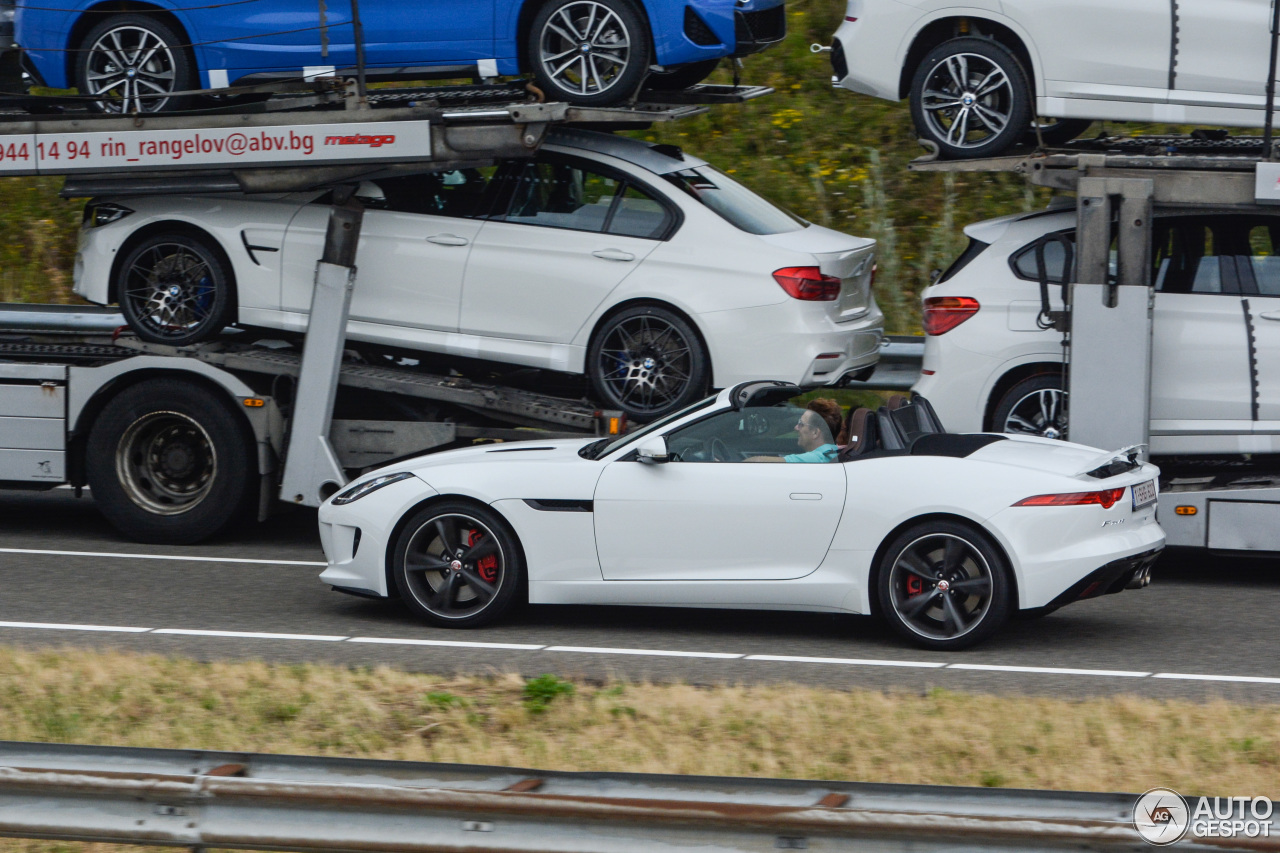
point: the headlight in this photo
(359, 490)
(104, 214)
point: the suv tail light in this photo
(1106, 499)
(944, 313)
(808, 284)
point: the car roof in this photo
(654, 157)
(1023, 225)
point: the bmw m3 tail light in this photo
(944, 313)
(808, 284)
(1106, 499)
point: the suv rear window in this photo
(734, 203)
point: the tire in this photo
(649, 362)
(917, 605)
(1056, 131)
(573, 53)
(1035, 406)
(170, 462)
(681, 77)
(106, 56)
(174, 288)
(978, 103)
(482, 581)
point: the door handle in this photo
(447, 240)
(1270, 315)
(805, 496)
(614, 255)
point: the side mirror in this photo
(652, 451)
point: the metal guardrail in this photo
(271, 802)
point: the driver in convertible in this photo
(821, 419)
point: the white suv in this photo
(977, 72)
(1215, 379)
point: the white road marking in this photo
(1049, 670)
(52, 626)
(462, 644)
(596, 650)
(917, 664)
(601, 650)
(111, 555)
(251, 635)
(1249, 679)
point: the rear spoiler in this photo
(1113, 463)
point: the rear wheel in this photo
(458, 565)
(174, 289)
(133, 63)
(648, 362)
(591, 52)
(942, 585)
(1035, 406)
(170, 462)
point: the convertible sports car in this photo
(943, 535)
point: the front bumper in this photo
(356, 538)
(755, 31)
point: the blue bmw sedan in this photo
(137, 56)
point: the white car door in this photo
(1223, 53)
(413, 252)
(1200, 376)
(571, 234)
(698, 519)
(1099, 48)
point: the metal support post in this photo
(311, 469)
(1109, 357)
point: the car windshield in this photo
(734, 203)
(603, 447)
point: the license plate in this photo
(1144, 494)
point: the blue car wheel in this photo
(133, 63)
(590, 52)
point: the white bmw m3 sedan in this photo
(943, 535)
(640, 266)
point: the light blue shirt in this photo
(825, 453)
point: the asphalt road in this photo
(1206, 627)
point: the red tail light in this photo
(944, 313)
(808, 284)
(1106, 499)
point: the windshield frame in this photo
(650, 428)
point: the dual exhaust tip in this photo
(1141, 578)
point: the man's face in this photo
(811, 432)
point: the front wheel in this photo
(589, 52)
(1035, 406)
(174, 289)
(134, 63)
(458, 565)
(648, 362)
(170, 462)
(971, 98)
(943, 585)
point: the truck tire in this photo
(171, 462)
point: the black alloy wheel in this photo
(648, 362)
(458, 565)
(133, 63)
(971, 98)
(590, 52)
(1035, 406)
(943, 586)
(174, 289)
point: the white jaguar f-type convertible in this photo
(943, 535)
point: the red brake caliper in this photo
(487, 567)
(915, 585)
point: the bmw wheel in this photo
(648, 362)
(134, 63)
(590, 52)
(458, 565)
(971, 98)
(174, 289)
(1035, 406)
(942, 585)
